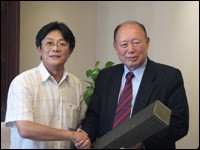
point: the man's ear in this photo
(39, 52)
(70, 52)
(115, 46)
(148, 41)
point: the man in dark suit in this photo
(152, 81)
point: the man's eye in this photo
(62, 44)
(136, 43)
(124, 45)
(49, 43)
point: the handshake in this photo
(80, 139)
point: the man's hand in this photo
(82, 140)
(139, 145)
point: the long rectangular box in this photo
(144, 124)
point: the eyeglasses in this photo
(62, 45)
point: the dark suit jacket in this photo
(159, 82)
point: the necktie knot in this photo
(129, 76)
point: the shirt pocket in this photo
(72, 115)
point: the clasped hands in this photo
(81, 139)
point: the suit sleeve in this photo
(91, 123)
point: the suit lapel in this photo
(113, 92)
(146, 88)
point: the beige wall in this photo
(172, 26)
(81, 19)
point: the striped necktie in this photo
(124, 104)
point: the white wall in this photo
(173, 28)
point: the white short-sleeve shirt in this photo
(35, 96)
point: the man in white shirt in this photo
(46, 102)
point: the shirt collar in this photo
(137, 72)
(46, 75)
